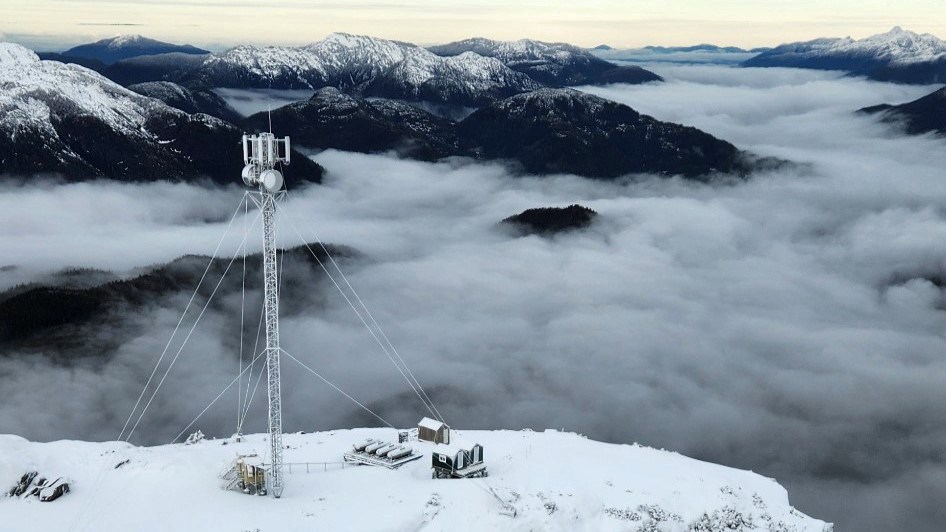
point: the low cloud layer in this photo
(252, 101)
(792, 324)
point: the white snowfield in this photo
(552, 481)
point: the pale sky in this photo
(216, 24)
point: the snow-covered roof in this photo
(454, 447)
(251, 459)
(431, 424)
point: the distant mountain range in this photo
(64, 119)
(703, 48)
(552, 64)
(469, 73)
(924, 115)
(898, 56)
(700, 53)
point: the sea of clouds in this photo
(792, 324)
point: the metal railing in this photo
(309, 467)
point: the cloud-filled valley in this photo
(791, 324)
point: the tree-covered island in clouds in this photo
(547, 221)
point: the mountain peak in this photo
(14, 54)
(350, 40)
(127, 46)
(898, 55)
(125, 40)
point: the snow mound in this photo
(549, 480)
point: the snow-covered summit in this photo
(119, 41)
(897, 55)
(342, 50)
(35, 90)
(896, 46)
(13, 55)
(548, 480)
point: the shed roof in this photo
(431, 424)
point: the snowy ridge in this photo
(366, 66)
(14, 55)
(41, 87)
(359, 54)
(67, 120)
(552, 64)
(553, 481)
(898, 46)
(268, 62)
(518, 51)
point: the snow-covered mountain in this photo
(364, 66)
(898, 55)
(537, 481)
(552, 64)
(121, 47)
(68, 120)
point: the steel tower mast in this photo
(261, 154)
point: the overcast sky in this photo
(56, 24)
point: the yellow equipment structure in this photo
(246, 474)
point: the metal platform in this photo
(361, 457)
